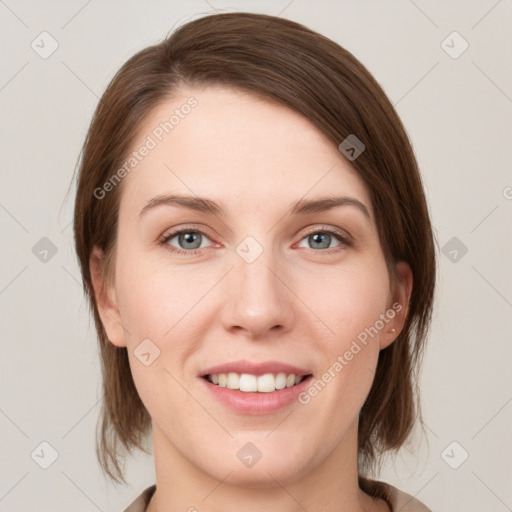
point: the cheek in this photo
(153, 297)
(347, 300)
(351, 304)
(160, 304)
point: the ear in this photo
(399, 305)
(106, 301)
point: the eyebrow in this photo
(301, 207)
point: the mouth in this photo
(251, 383)
(252, 388)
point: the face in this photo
(262, 290)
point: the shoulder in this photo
(396, 499)
(401, 501)
(141, 503)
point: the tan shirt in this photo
(398, 500)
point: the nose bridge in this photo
(258, 299)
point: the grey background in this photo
(458, 112)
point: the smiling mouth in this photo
(248, 383)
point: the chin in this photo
(272, 472)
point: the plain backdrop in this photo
(456, 104)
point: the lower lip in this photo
(256, 402)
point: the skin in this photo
(293, 304)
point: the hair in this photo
(283, 62)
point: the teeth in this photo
(266, 383)
(233, 381)
(248, 383)
(280, 380)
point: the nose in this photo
(258, 298)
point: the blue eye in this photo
(322, 240)
(190, 241)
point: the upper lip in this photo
(255, 368)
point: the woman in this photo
(256, 247)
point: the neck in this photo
(330, 486)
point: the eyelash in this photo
(344, 239)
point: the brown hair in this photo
(284, 62)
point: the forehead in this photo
(233, 146)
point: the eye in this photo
(320, 240)
(189, 241)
